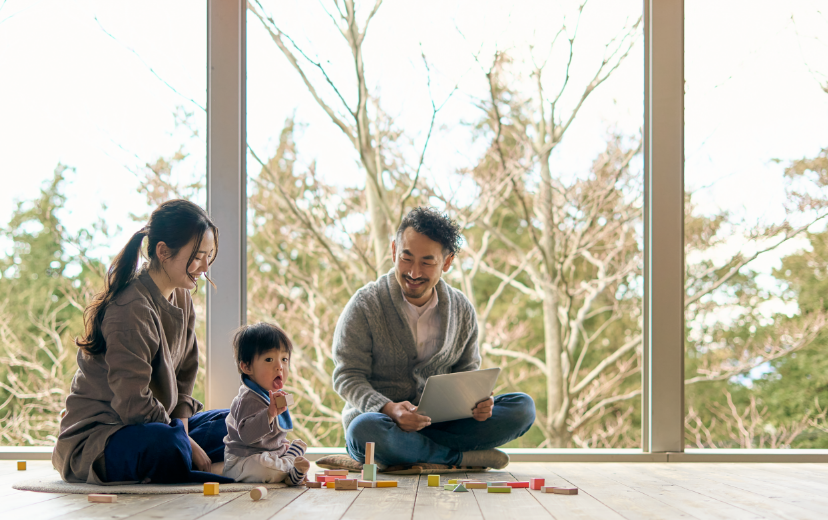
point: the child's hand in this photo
(272, 410)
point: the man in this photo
(398, 331)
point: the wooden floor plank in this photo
(53, 508)
(517, 504)
(24, 498)
(321, 503)
(386, 503)
(127, 506)
(622, 499)
(750, 500)
(643, 480)
(244, 508)
(187, 507)
(581, 505)
(435, 503)
(781, 476)
(9, 479)
(810, 501)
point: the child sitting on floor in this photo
(255, 448)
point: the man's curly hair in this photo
(436, 226)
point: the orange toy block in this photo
(518, 484)
(346, 484)
(386, 483)
(536, 483)
(21, 465)
(211, 488)
(102, 499)
(330, 484)
(336, 472)
(366, 483)
(369, 453)
(283, 400)
(313, 484)
(559, 490)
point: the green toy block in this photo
(449, 487)
(497, 489)
(461, 489)
(369, 472)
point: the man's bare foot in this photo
(302, 464)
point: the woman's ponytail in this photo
(120, 273)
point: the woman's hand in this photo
(200, 459)
(273, 410)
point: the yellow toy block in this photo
(386, 483)
(452, 481)
(211, 489)
(331, 484)
(434, 481)
(21, 465)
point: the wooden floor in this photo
(607, 491)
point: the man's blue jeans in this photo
(440, 443)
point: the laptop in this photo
(450, 397)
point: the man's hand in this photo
(272, 410)
(200, 459)
(483, 410)
(403, 414)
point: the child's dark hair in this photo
(253, 340)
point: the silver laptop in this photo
(453, 396)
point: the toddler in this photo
(255, 448)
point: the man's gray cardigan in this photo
(374, 349)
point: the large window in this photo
(101, 118)
(523, 122)
(756, 244)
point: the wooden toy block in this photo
(461, 489)
(258, 493)
(330, 484)
(559, 490)
(369, 472)
(102, 499)
(21, 465)
(449, 487)
(283, 400)
(518, 484)
(336, 472)
(313, 484)
(453, 481)
(386, 483)
(499, 489)
(536, 483)
(434, 481)
(476, 485)
(499, 483)
(366, 483)
(211, 488)
(346, 484)
(369, 453)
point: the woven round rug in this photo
(52, 485)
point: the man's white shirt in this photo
(425, 326)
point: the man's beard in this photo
(416, 296)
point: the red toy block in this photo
(518, 484)
(536, 483)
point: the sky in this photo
(96, 85)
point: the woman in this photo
(131, 416)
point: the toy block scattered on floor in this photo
(283, 400)
(21, 465)
(258, 493)
(211, 488)
(434, 481)
(460, 489)
(313, 484)
(330, 484)
(497, 483)
(452, 481)
(366, 483)
(499, 489)
(99, 498)
(559, 490)
(369, 453)
(386, 483)
(476, 485)
(369, 472)
(346, 484)
(536, 483)
(336, 472)
(449, 487)
(518, 484)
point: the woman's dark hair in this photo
(434, 225)
(176, 223)
(253, 340)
